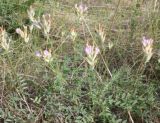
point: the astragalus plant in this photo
(74, 61)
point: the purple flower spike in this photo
(92, 53)
(146, 41)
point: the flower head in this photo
(97, 51)
(46, 55)
(4, 39)
(147, 48)
(92, 53)
(89, 49)
(31, 13)
(101, 33)
(38, 54)
(46, 23)
(146, 42)
(24, 34)
(73, 34)
(81, 9)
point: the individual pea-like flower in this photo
(46, 55)
(46, 24)
(81, 9)
(38, 54)
(24, 34)
(147, 48)
(92, 53)
(4, 39)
